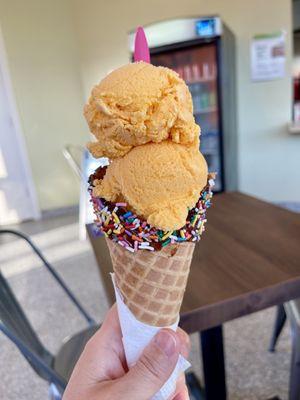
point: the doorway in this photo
(17, 193)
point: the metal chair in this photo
(279, 322)
(83, 164)
(290, 311)
(55, 369)
(73, 154)
(293, 313)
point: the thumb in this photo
(153, 368)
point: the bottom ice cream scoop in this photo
(159, 182)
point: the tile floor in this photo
(252, 372)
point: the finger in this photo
(185, 343)
(105, 344)
(111, 321)
(182, 395)
(180, 387)
(153, 368)
(109, 335)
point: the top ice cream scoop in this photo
(137, 104)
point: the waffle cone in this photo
(152, 283)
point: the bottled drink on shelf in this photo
(212, 99)
(213, 71)
(205, 71)
(179, 71)
(197, 97)
(187, 73)
(196, 73)
(204, 100)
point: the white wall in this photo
(269, 160)
(44, 65)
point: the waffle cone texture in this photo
(152, 283)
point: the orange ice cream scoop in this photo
(137, 104)
(160, 182)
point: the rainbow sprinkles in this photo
(133, 233)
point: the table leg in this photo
(213, 363)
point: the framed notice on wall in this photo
(268, 57)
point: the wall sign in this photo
(268, 57)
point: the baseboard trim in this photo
(59, 212)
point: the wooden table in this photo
(247, 260)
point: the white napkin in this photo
(136, 336)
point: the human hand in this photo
(101, 371)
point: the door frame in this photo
(36, 213)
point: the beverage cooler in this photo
(202, 52)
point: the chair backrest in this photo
(73, 155)
(293, 311)
(13, 318)
(15, 325)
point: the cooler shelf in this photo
(206, 110)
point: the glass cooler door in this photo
(197, 65)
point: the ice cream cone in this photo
(152, 283)
(150, 202)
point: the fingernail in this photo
(166, 342)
